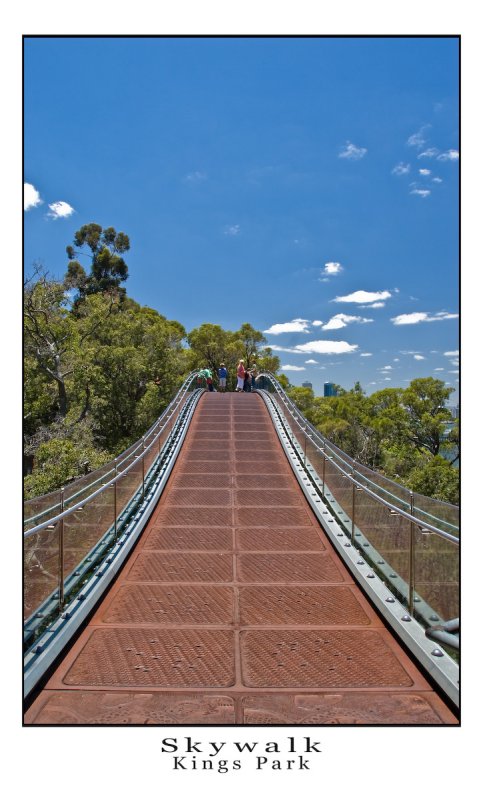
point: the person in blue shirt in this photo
(222, 375)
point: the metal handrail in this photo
(295, 416)
(133, 448)
(72, 509)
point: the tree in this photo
(108, 268)
(424, 400)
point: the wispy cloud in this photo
(296, 326)
(292, 368)
(363, 297)
(437, 180)
(311, 361)
(421, 192)
(451, 353)
(425, 172)
(232, 230)
(418, 139)
(449, 155)
(195, 177)
(341, 320)
(422, 316)
(60, 210)
(401, 169)
(431, 152)
(365, 355)
(352, 152)
(31, 197)
(317, 323)
(418, 357)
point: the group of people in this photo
(245, 377)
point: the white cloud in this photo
(332, 268)
(396, 359)
(291, 368)
(431, 152)
(454, 371)
(384, 369)
(317, 323)
(296, 326)
(451, 353)
(439, 369)
(449, 155)
(311, 361)
(437, 180)
(195, 177)
(341, 320)
(421, 192)
(421, 316)
(365, 355)
(374, 305)
(387, 379)
(31, 197)
(326, 347)
(362, 297)
(425, 172)
(60, 210)
(352, 152)
(417, 139)
(401, 169)
(232, 230)
(417, 357)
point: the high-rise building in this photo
(307, 385)
(330, 390)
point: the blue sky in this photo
(308, 186)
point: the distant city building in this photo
(330, 390)
(455, 411)
(307, 385)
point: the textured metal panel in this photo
(201, 538)
(171, 605)
(268, 497)
(199, 497)
(279, 539)
(182, 567)
(359, 659)
(130, 708)
(300, 605)
(154, 657)
(280, 481)
(174, 515)
(350, 708)
(269, 517)
(208, 481)
(196, 467)
(288, 568)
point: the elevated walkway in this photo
(234, 607)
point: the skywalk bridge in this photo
(234, 567)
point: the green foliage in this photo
(436, 479)
(108, 268)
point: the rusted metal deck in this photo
(234, 608)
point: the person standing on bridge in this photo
(240, 375)
(222, 374)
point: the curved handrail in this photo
(351, 470)
(111, 467)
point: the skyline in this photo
(307, 186)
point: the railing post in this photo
(142, 460)
(115, 498)
(411, 559)
(353, 524)
(305, 446)
(61, 552)
(323, 471)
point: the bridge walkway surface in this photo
(234, 608)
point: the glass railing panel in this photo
(41, 567)
(389, 534)
(437, 574)
(85, 527)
